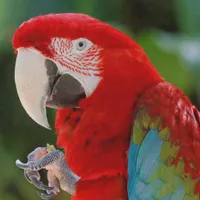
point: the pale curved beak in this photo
(39, 84)
(32, 84)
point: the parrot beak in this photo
(39, 84)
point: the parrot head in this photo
(64, 58)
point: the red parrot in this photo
(126, 132)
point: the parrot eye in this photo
(82, 44)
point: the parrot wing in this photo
(157, 167)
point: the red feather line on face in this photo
(87, 63)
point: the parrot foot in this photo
(43, 162)
(59, 175)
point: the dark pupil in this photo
(81, 44)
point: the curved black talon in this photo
(39, 184)
(26, 176)
(33, 178)
(46, 196)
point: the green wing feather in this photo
(153, 174)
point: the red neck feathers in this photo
(96, 137)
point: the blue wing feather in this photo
(144, 161)
(140, 165)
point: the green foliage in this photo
(176, 56)
(167, 61)
(188, 16)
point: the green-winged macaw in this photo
(126, 132)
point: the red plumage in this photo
(100, 141)
(96, 137)
(39, 31)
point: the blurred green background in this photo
(168, 30)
